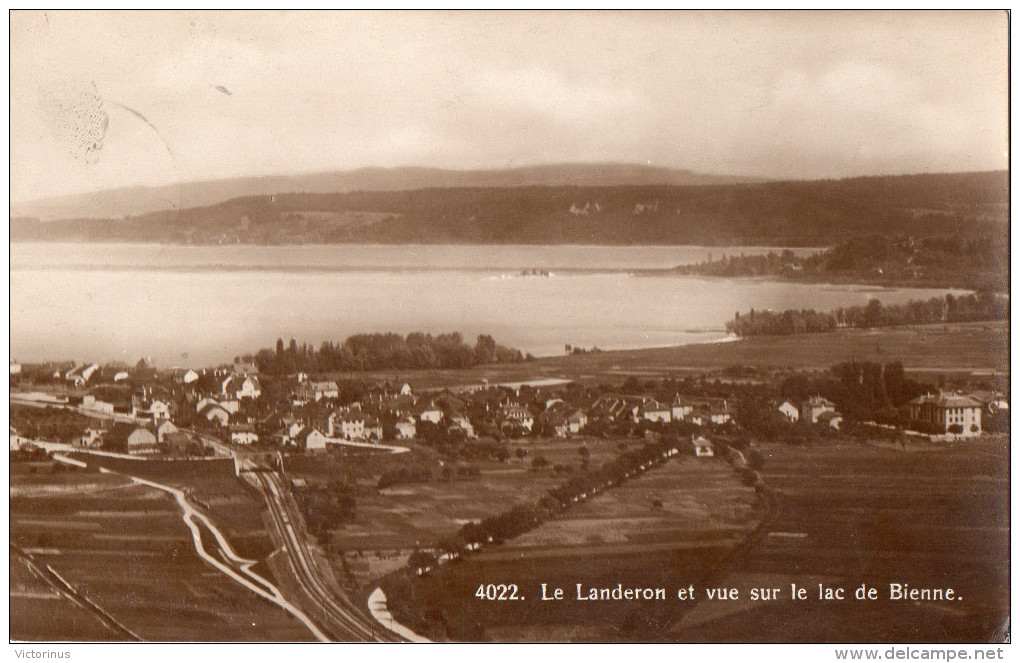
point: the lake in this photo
(181, 305)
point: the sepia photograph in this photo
(644, 327)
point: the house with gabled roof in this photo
(519, 415)
(131, 439)
(429, 412)
(813, 407)
(681, 408)
(613, 408)
(373, 429)
(790, 411)
(350, 424)
(213, 412)
(250, 388)
(92, 438)
(459, 422)
(309, 439)
(993, 401)
(243, 434)
(652, 410)
(316, 391)
(576, 421)
(831, 419)
(163, 429)
(406, 429)
(703, 447)
(178, 442)
(79, 375)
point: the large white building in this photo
(951, 413)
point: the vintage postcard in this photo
(510, 327)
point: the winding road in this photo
(229, 562)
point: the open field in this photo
(233, 505)
(664, 529)
(857, 514)
(127, 550)
(952, 348)
(843, 515)
(39, 612)
(684, 503)
(390, 523)
(979, 347)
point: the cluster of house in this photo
(136, 438)
(945, 413)
(315, 421)
(484, 409)
(145, 407)
(698, 412)
(144, 425)
(229, 399)
(814, 410)
(361, 421)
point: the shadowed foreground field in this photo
(665, 528)
(843, 515)
(124, 548)
(857, 514)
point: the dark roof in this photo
(177, 438)
(117, 437)
(947, 400)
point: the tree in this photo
(755, 458)
(421, 562)
(453, 546)
(585, 455)
(539, 462)
(485, 350)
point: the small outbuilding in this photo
(703, 447)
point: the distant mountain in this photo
(814, 213)
(132, 201)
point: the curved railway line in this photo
(342, 619)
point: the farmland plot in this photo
(664, 529)
(856, 514)
(127, 551)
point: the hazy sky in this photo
(110, 99)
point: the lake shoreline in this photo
(205, 305)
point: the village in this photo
(188, 412)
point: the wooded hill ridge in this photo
(136, 200)
(803, 213)
(960, 260)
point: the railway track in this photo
(339, 616)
